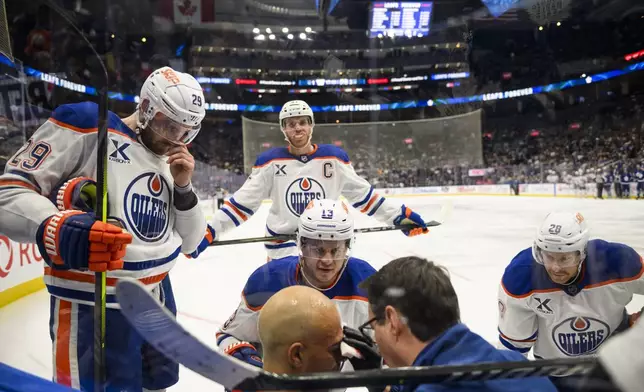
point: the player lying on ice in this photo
(324, 241)
(294, 175)
(566, 295)
(47, 196)
(415, 319)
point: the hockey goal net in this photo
(381, 146)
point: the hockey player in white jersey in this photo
(293, 176)
(324, 241)
(47, 196)
(566, 295)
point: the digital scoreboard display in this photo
(400, 19)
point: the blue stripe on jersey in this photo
(271, 232)
(230, 215)
(78, 295)
(115, 122)
(374, 209)
(329, 150)
(280, 246)
(241, 207)
(222, 337)
(323, 150)
(366, 199)
(509, 346)
(26, 176)
(531, 337)
(146, 264)
(273, 153)
(84, 115)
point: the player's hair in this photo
(420, 290)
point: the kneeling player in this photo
(325, 238)
(566, 295)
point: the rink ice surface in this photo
(476, 243)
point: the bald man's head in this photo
(300, 331)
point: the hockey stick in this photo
(292, 237)
(446, 211)
(101, 205)
(160, 329)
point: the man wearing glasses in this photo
(325, 239)
(567, 294)
(415, 318)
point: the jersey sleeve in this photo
(191, 226)
(518, 324)
(243, 203)
(240, 327)
(56, 152)
(362, 195)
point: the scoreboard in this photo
(399, 19)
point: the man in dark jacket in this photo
(415, 318)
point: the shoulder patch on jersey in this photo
(329, 150)
(273, 154)
(268, 279)
(517, 279)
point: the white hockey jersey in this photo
(140, 195)
(568, 321)
(280, 273)
(291, 182)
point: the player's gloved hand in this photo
(246, 352)
(208, 239)
(74, 239)
(409, 217)
(76, 194)
(364, 354)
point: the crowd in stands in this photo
(519, 148)
(584, 140)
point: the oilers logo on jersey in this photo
(580, 335)
(300, 193)
(146, 202)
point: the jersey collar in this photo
(304, 157)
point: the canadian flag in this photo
(192, 12)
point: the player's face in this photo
(323, 260)
(162, 134)
(297, 130)
(386, 340)
(561, 267)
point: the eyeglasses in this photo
(367, 326)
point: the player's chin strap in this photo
(337, 279)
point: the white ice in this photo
(480, 237)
